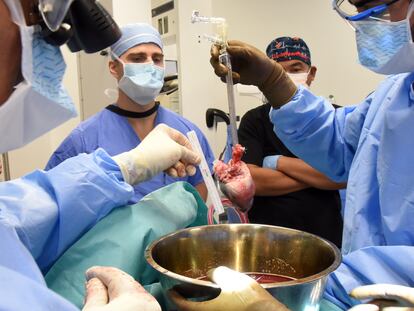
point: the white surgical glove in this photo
(239, 292)
(110, 289)
(386, 297)
(164, 149)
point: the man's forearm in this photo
(269, 182)
(303, 172)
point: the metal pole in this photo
(6, 166)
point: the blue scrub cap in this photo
(134, 34)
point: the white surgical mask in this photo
(142, 82)
(299, 78)
(385, 47)
(39, 103)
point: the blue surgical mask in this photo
(385, 47)
(48, 70)
(142, 82)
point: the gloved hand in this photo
(239, 292)
(251, 66)
(164, 149)
(271, 161)
(110, 289)
(384, 297)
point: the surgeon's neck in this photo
(126, 103)
(141, 126)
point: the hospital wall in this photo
(330, 39)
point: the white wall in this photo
(131, 11)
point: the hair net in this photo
(134, 34)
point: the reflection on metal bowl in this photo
(186, 255)
(261, 278)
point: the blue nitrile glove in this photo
(271, 161)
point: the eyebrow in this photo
(298, 64)
(145, 54)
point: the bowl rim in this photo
(151, 261)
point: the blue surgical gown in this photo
(115, 135)
(370, 145)
(42, 214)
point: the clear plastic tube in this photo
(221, 40)
(225, 59)
(197, 18)
(214, 39)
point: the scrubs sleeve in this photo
(324, 137)
(70, 147)
(51, 210)
(208, 153)
(370, 265)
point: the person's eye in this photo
(157, 60)
(139, 59)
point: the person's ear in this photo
(116, 69)
(311, 75)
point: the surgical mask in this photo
(385, 47)
(299, 78)
(39, 103)
(141, 82)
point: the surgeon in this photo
(43, 213)
(137, 63)
(370, 145)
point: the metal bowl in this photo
(186, 255)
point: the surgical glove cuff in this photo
(278, 87)
(134, 169)
(271, 162)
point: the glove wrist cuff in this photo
(278, 87)
(132, 171)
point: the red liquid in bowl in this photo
(261, 278)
